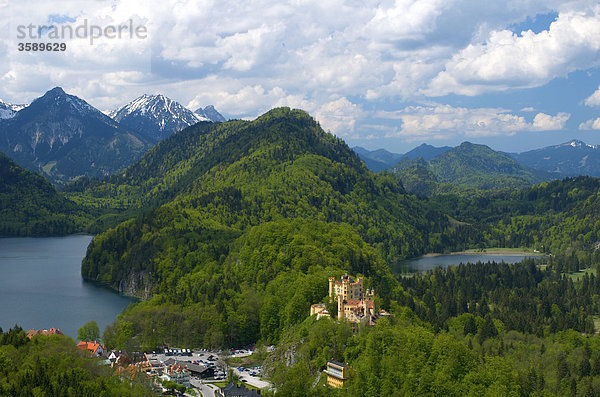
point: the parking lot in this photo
(206, 358)
(216, 360)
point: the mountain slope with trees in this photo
(466, 168)
(31, 206)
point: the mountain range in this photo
(571, 158)
(467, 166)
(381, 159)
(64, 138)
(377, 160)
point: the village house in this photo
(200, 371)
(95, 348)
(320, 309)
(128, 372)
(336, 374)
(178, 374)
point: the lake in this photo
(425, 263)
(41, 286)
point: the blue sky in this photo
(514, 75)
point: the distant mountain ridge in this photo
(571, 158)
(209, 112)
(467, 166)
(157, 116)
(381, 159)
(377, 160)
(64, 137)
(427, 152)
(8, 111)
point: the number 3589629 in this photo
(42, 46)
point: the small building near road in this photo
(336, 374)
(232, 390)
(201, 371)
(177, 374)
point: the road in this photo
(251, 380)
(206, 389)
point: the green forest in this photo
(54, 366)
(229, 232)
(31, 206)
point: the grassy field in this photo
(48, 167)
(576, 277)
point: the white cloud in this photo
(545, 122)
(593, 124)
(507, 60)
(594, 99)
(445, 121)
(339, 116)
(330, 58)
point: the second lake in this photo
(425, 263)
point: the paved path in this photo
(204, 388)
(252, 380)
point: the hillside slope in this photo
(30, 206)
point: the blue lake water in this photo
(426, 263)
(41, 286)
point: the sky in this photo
(514, 75)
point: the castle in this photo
(354, 303)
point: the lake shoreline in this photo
(472, 252)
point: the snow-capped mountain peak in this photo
(578, 144)
(155, 116)
(64, 137)
(8, 110)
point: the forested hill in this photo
(31, 206)
(248, 205)
(468, 166)
(173, 166)
(558, 217)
